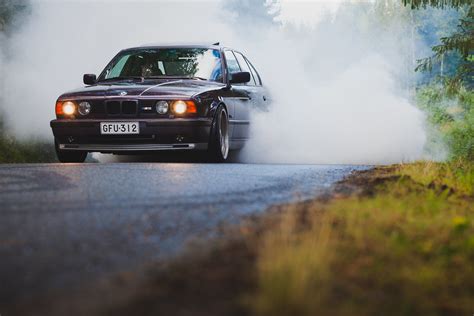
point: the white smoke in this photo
(340, 88)
(338, 85)
(354, 118)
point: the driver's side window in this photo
(232, 64)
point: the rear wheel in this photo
(219, 142)
(69, 156)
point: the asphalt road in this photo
(61, 225)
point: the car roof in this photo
(178, 45)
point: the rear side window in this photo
(245, 67)
(232, 64)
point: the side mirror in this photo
(90, 79)
(240, 77)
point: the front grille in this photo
(121, 107)
(129, 107)
(113, 107)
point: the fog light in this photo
(162, 107)
(180, 107)
(84, 108)
(69, 108)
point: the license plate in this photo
(119, 128)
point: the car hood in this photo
(172, 89)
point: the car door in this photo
(238, 99)
(262, 101)
(255, 94)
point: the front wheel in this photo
(69, 156)
(219, 142)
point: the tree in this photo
(461, 41)
(253, 13)
(9, 9)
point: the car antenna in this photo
(216, 44)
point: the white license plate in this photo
(119, 128)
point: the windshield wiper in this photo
(122, 79)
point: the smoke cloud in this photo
(341, 90)
(339, 79)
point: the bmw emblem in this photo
(123, 93)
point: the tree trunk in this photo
(441, 70)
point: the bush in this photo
(460, 137)
(451, 116)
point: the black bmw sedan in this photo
(154, 98)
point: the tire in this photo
(219, 140)
(69, 156)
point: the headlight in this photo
(69, 108)
(162, 107)
(84, 108)
(180, 107)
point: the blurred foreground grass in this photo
(405, 246)
(395, 240)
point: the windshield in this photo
(199, 63)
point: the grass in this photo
(457, 175)
(405, 247)
(13, 150)
(30, 151)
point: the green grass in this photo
(405, 249)
(13, 150)
(30, 151)
(456, 175)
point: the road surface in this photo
(61, 225)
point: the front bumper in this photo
(155, 135)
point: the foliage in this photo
(416, 4)
(461, 41)
(405, 248)
(431, 25)
(461, 137)
(251, 13)
(452, 116)
(9, 9)
(31, 151)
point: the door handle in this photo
(264, 98)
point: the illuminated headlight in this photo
(180, 107)
(162, 107)
(69, 108)
(84, 108)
